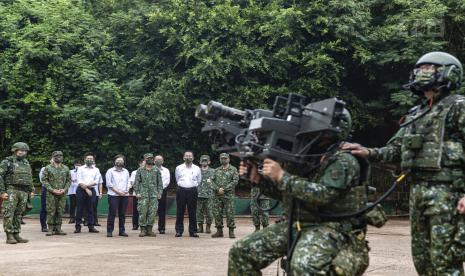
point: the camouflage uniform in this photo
(259, 216)
(205, 193)
(335, 247)
(16, 180)
(226, 179)
(148, 184)
(56, 178)
(431, 152)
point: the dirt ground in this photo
(95, 254)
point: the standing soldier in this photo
(430, 149)
(204, 208)
(225, 180)
(15, 185)
(56, 180)
(148, 188)
(259, 216)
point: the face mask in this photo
(158, 162)
(119, 164)
(58, 159)
(88, 162)
(20, 155)
(149, 162)
(425, 79)
(224, 161)
(204, 163)
(188, 160)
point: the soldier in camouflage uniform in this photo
(258, 215)
(148, 187)
(320, 246)
(15, 185)
(56, 180)
(205, 193)
(430, 149)
(224, 183)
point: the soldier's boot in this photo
(51, 230)
(19, 239)
(59, 231)
(10, 239)
(142, 233)
(200, 230)
(257, 228)
(207, 229)
(150, 232)
(218, 234)
(231, 233)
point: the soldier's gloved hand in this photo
(251, 169)
(356, 149)
(4, 196)
(461, 206)
(272, 170)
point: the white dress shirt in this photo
(99, 184)
(89, 176)
(132, 179)
(74, 182)
(41, 174)
(188, 177)
(117, 179)
(165, 176)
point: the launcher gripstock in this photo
(289, 133)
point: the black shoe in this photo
(123, 234)
(78, 230)
(178, 235)
(109, 234)
(93, 230)
(135, 227)
(44, 229)
(194, 235)
(72, 220)
(161, 231)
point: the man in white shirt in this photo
(88, 178)
(72, 191)
(135, 213)
(117, 180)
(165, 177)
(188, 177)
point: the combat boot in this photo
(51, 230)
(19, 239)
(142, 233)
(200, 230)
(150, 232)
(10, 239)
(257, 228)
(231, 233)
(207, 229)
(218, 234)
(59, 231)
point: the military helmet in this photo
(19, 146)
(448, 76)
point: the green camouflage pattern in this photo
(205, 188)
(259, 217)
(438, 232)
(148, 185)
(56, 178)
(204, 210)
(14, 172)
(223, 205)
(324, 248)
(13, 209)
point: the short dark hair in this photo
(78, 161)
(187, 152)
(119, 155)
(89, 154)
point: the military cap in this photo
(224, 155)
(57, 152)
(203, 157)
(148, 155)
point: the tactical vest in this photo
(423, 145)
(19, 173)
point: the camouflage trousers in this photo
(204, 210)
(220, 206)
(321, 250)
(13, 209)
(438, 232)
(259, 216)
(55, 206)
(147, 208)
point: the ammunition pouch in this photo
(377, 217)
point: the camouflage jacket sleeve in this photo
(391, 152)
(214, 182)
(137, 183)
(3, 172)
(334, 180)
(46, 180)
(235, 179)
(456, 119)
(269, 189)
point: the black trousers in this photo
(161, 212)
(85, 202)
(117, 205)
(72, 206)
(186, 197)
(95, 209)
(43, 207)
(135, 213)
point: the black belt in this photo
(191, 188)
